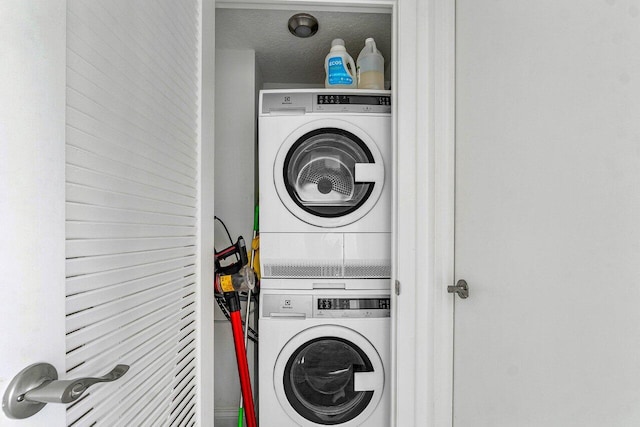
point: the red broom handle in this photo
(243, 368)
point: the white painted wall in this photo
(235, 150)
(235, 130)
(547, 213)
(32, 137)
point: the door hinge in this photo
(461, 288)
(397, 287)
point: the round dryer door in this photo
(329, 176)
(329, 375)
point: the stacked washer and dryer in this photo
(325, 242)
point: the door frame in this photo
(423, 215)
(205, 301)
(423, 324)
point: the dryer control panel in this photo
(325, 101)
(325, 306)
(356, 103)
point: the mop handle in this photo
(246, 342)
(246, 322)
(243, 368)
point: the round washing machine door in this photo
(329, 173)
(329, 375)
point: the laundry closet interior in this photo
(255, 51)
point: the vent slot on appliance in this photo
(300, 270)
(376, 269)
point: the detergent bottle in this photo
(339, 66)
(370, 67)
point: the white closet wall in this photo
(237, 81)
(235, 142)
(132, 133)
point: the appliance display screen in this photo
(354, 99)
(354, 303)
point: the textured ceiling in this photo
(284, 58)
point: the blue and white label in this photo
(338, 73)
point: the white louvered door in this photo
(131, 203)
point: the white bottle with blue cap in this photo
(340, 68)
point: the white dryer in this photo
(325, 183)
(327, 359)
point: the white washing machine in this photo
(326, 361)
(325, 183)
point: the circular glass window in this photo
(319, 172)
(319, 381)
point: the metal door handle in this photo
(461, 288)
(38, 384)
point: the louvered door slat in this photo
(113, 344)
(147, 33)
(104, 181)
(91, 281)
(96, 50)
(76, 248)
(96, 294)
(112, 116)
(177, 36)
(97, 197)
(86, 132)
(131, 306)
(131, 189)
(157, 393)
(184, 380)
(155, 358)
(150, 384)
(185, 367)
(184, 402)
(187, 322)
(135, 111)
(83, 158)
(82, 301)
(105, 328)
(149, 314)
(81, 68)
(99, 230)
(79, 266)
(83, 212)
(178, 29)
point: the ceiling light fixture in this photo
(303, 25)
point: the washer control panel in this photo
(325, 306)
(352, 307)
